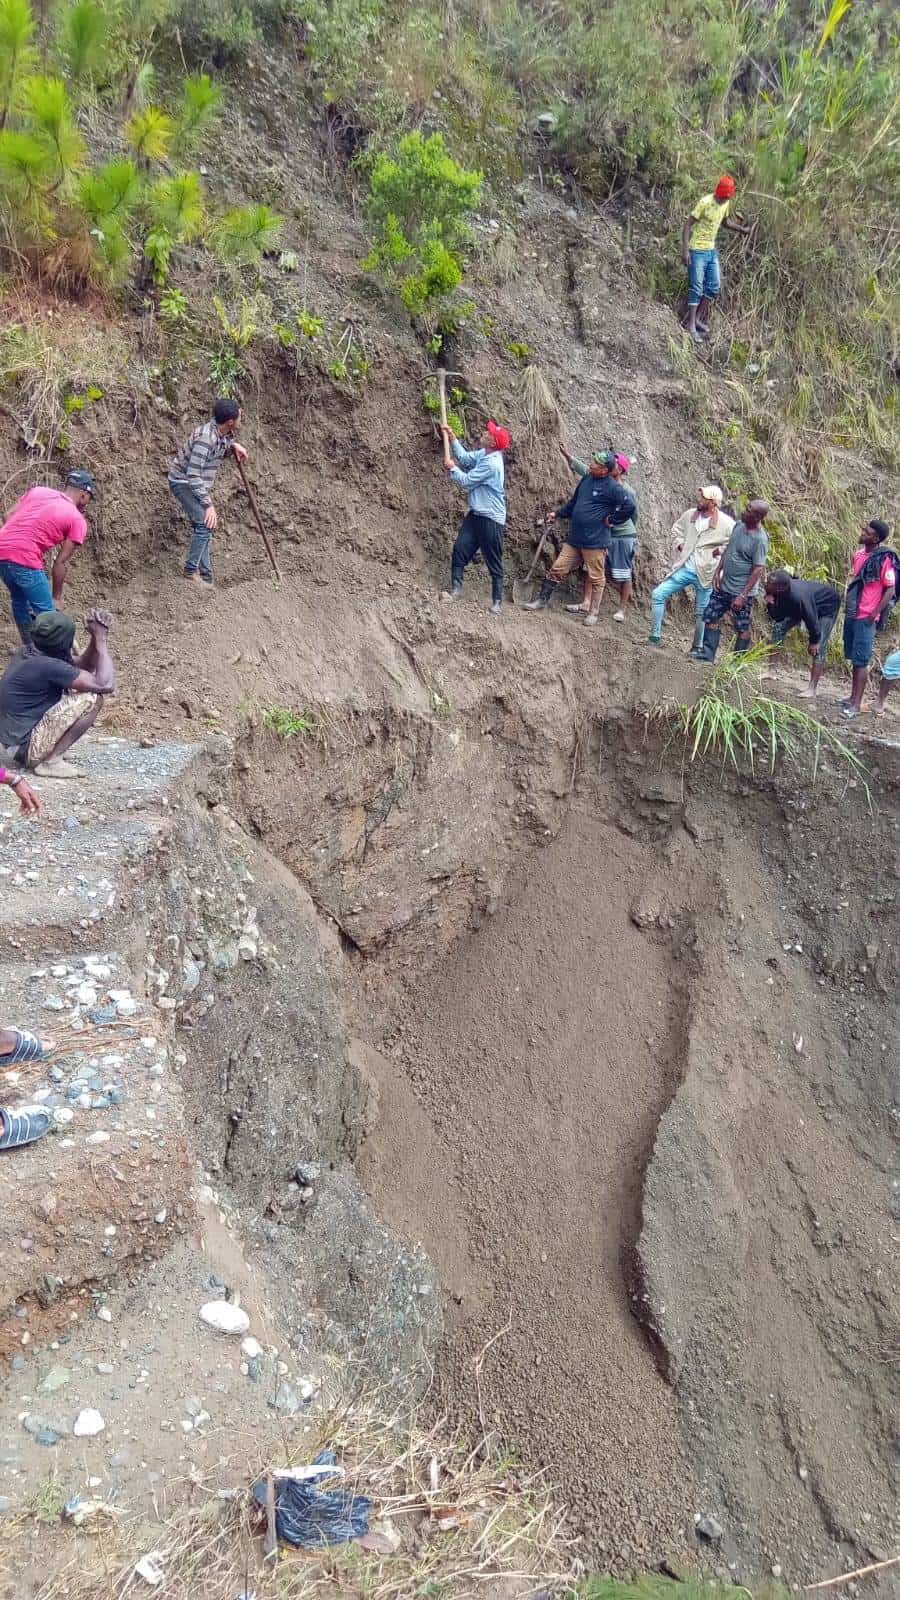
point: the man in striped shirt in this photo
(192, 476)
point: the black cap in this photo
(81, 480)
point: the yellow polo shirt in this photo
(708, 216)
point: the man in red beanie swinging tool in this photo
(481, 473)
(698, 245)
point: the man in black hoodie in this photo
(598, 507)
(792, 601)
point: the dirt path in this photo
(544, 1067)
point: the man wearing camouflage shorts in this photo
(736, 582)
(49, 697)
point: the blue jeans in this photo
(704, 277)
(201, 535)
(859, 641)
(684, 578)
(29, 591)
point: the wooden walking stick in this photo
(442, 396)
(270, 552)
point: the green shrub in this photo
(420, 202)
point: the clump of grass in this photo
(50, 371)
(733, 720)
(287, 723)
(652, 1587)
(538, 400)
(457, 1522)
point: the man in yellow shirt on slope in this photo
(698, 243)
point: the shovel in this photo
(519, 585)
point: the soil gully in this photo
(575, 1082)
(610, 1113)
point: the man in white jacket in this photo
(698, 539)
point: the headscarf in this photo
(725, 187)
(622, 462)
(53, 634)
(712, 492)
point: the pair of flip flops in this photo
(18, 1128)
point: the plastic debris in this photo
(81, 1512)
(308, 1516)
(147, 1569)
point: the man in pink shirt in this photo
(43, 520)
(871, 593)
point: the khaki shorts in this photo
(46, 734)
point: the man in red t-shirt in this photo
(42, 520)
(871, 594)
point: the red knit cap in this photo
(725, 187)
(499, 435)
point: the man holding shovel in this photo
(481, 473)
(192, 477)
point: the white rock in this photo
(88, 1423)
(100, 1137)
(86, 994)
(104, 1313)
(225, 1317)
(251, 1348)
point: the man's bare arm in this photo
(61, 567)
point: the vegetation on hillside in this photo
(633, 106)
(648, 102)
(71, 217)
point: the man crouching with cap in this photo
(49, 697)
(481, 473)
(599, 506)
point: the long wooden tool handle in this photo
(442, 396)
(537, 555)
(270, 551)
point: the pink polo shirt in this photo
(871, 594)
(41, 519)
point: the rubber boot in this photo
(740, 645)
(542, 598)
(711, 637)
(454, 591)
(697, 643)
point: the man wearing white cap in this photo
(698, 539)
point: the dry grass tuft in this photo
(463, 1523)
(538, 400)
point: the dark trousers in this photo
(479, 533)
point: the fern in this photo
(83, 37)
(150, 133)
(50, 115)
(17, 55)
(201, 99)
(244, 233)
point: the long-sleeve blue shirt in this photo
(599, 510)
(481, 474)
